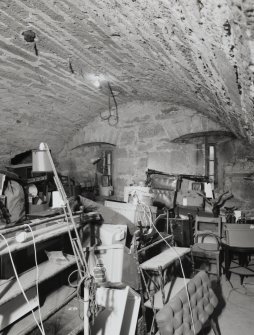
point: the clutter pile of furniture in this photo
(146, 258)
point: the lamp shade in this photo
(40, 161)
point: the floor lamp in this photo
(42, 162)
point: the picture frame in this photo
(196, 186)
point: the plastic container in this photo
(119, 263)
(105, 191)
(112, 234)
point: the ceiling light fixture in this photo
(96, 80)
(97, 83)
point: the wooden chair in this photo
(206, 245)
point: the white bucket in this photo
(105, 191)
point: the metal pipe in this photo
(17, 227)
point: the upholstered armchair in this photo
(175, 317)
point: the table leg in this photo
(215, 327)
(227, 263)
(92, 233)
(242, 258)
(162, 284)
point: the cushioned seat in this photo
(205, 247)
(175, 317)
(164, 259)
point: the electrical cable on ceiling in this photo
(112, 114)
(70, 66)
(36, 49)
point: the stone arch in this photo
(95, 134)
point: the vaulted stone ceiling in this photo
(194, 53)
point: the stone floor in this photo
(236, 306)
(235, 310)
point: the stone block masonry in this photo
(143, 143)
(191, 53)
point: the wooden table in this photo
(242, 265)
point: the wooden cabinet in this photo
(24, 171)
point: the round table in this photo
(242, 265)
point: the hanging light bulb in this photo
(97, 83)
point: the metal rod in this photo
(86, 308)
(155, 243)
(77, 258)
(66, 202)
(17, 227)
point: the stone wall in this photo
(5, 160)
(236, 173)
(143, 140)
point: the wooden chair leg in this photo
(192, 263)
(218, 267)
(215, 327)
